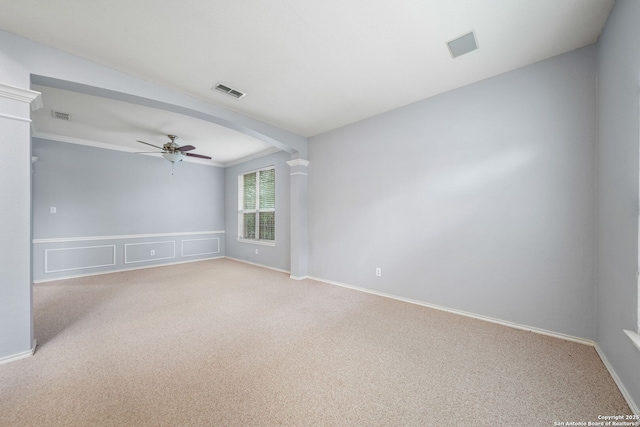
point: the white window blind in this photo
(257, 206)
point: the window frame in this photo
(257, 211)
(635, 335)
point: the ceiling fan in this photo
(173, 152)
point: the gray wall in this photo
(481, 199)
(278, 256)
(102, 193)
(23, 60)
(618, 133)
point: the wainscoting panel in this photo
(149, 251)
(195, 247)
(65, 257)
(70, 259)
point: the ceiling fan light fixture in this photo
(173, 157)
(174, 153)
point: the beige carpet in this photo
(221, 343)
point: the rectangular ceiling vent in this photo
(463, 44)
(61, 116)
(229, 90)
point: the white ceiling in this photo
(112, 124)
(308, 66)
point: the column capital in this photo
(25, 95)
(298, 162)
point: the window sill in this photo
(258, 242)
(635, 338)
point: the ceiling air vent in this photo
(229, 90)
(61, 116)
(462, 45)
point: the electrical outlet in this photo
(152, 252)
(52, 209)
(378, 271)
(256, 252)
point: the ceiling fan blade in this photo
(137, 140)
(200, 156)
(186, 148)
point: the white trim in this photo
(635, 338)
(298, 277)
(19, 94)
(149, 259)
(463, 313)
(21, 119)
(80, 141)
(195, 240)
(298, 173)
(265, 168)
(37, 103)
(124, 236)
(252, 156)
(616, 379)
(257, 242)
(46, 258)
(258, 265)
(114, 147)
(298, 162)
(120, 270)
(19, 356)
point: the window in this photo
(257, 206)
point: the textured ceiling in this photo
(309, 66)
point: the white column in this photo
(16, 329)
(299, 242)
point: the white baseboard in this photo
(612, 372)
(19, 356)
(258, 265)
(464, 313)
(618, 381)
(298, 277)
(123, 269)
